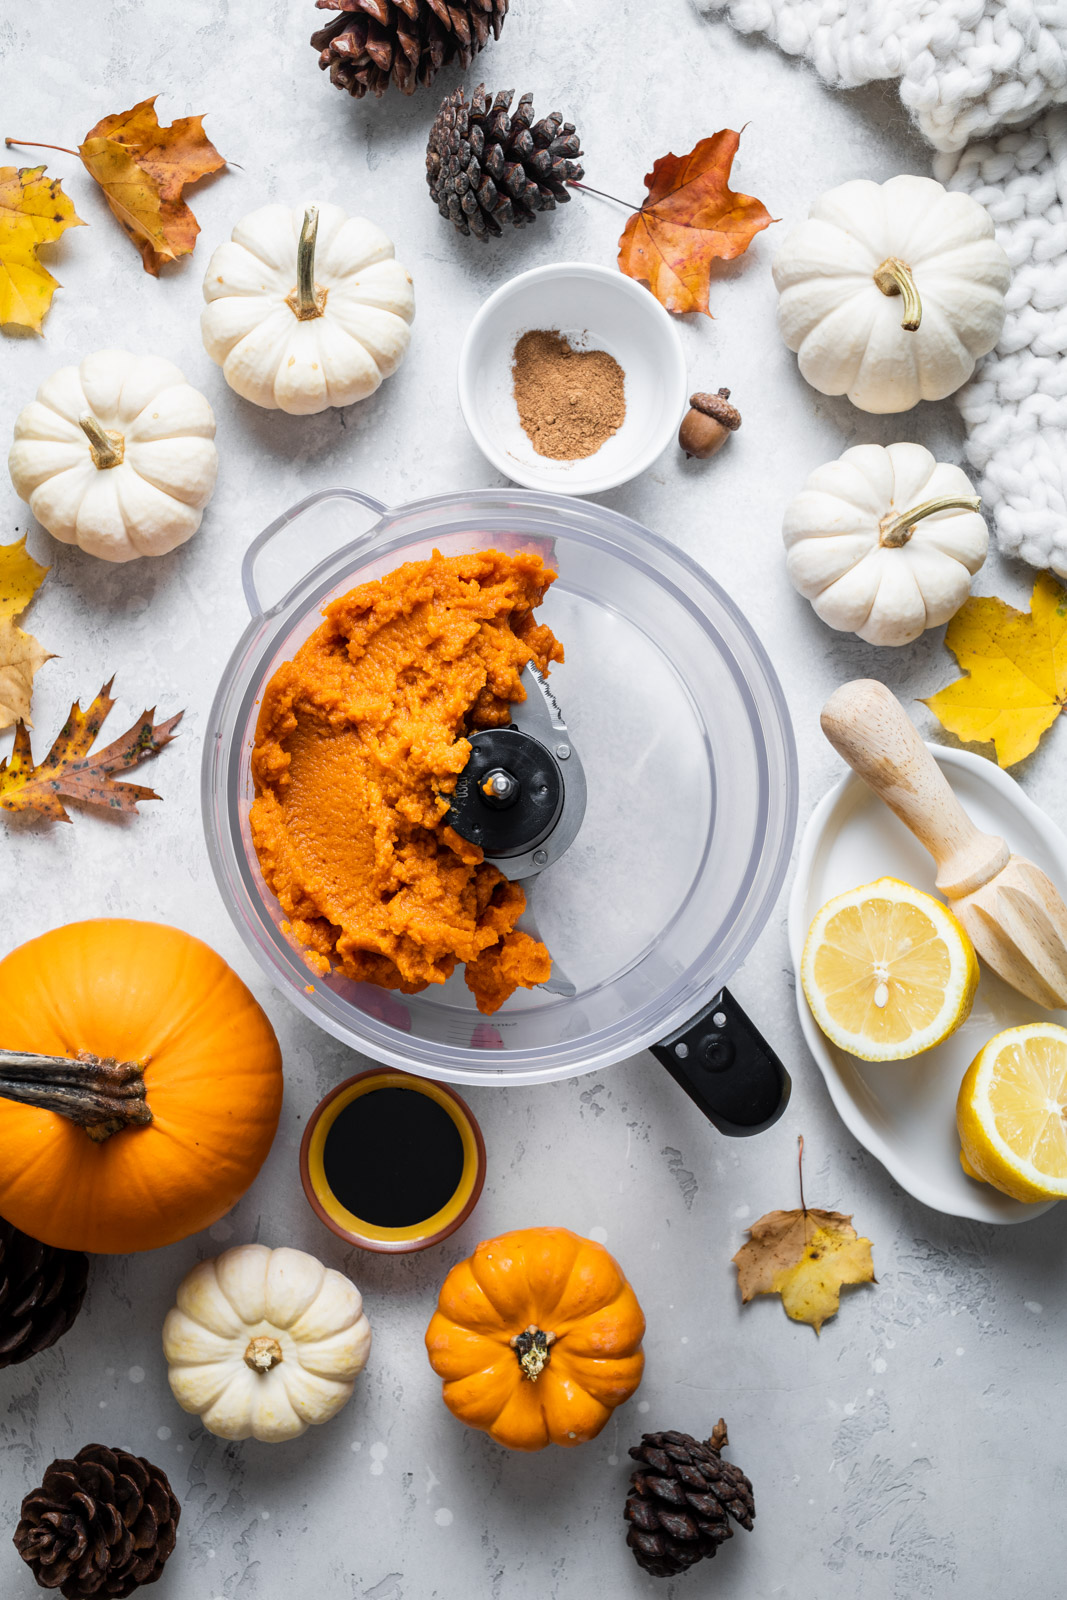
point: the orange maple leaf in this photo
(689, 218)
(142, 169)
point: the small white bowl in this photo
(597, 309)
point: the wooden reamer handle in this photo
(869, 728)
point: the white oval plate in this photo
(904, 1112)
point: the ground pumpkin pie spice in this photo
(570, 401)
(359, 743)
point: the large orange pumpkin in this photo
(164, 1099)
(538, 1338)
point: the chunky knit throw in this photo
(966, 69)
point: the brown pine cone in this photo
(406, 42)
(102, 1524)
(487, 165)
(679, 1507)
(41, 1293)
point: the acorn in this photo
(708, 424)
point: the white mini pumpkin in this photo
(884, 541)
(890, 292)
(262, 1343)
(306, 309)
(116, 455)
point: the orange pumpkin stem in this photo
(100, 1094)
(532, 1348)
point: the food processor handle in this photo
(726, 1066)
(259, 543)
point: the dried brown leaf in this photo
(70, 772)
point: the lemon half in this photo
(888, 971)
(1011, 1113)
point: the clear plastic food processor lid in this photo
(690, 770)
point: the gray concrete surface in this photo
(916, 1449)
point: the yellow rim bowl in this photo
(368, 1235)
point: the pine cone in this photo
(408, 41)
(41, 1293)
(485, 167)
(102, 1524)
(679, 1509)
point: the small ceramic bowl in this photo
(368, 1235)
(597, 308)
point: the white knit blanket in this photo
(967, 68)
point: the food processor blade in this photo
(522, 794)
(522, 797)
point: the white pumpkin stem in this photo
(100, 1094)
(894, 277)
(307, 300)
(263, 1353)
(107, 449)
(898, 530)
(532, 1347)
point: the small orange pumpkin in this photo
(150, 1085)
(537, 1337)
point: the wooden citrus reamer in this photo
(1015, 916)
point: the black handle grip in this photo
(727, 1067)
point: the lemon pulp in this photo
(888, 971)
(1012, 1112)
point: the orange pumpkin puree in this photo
(359, 743)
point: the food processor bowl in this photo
(689, 759)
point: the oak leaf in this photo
(142, 169)
(1016, 666)
(33, 211)
(805, 1256)
(21, 656)
(69, 772)
(689, 218)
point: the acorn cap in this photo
(717, 406)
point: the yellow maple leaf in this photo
(132, 196)
(20, 654)
(1016, 666)
(33, 211)
(805, 1256)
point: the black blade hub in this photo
(509, 796)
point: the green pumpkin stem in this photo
(307, 300)
(894, 277)
(896, 531)
(99, 1094)
(532, 1347)
(107, 449)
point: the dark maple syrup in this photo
(393, 1157)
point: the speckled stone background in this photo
(916, 1449)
